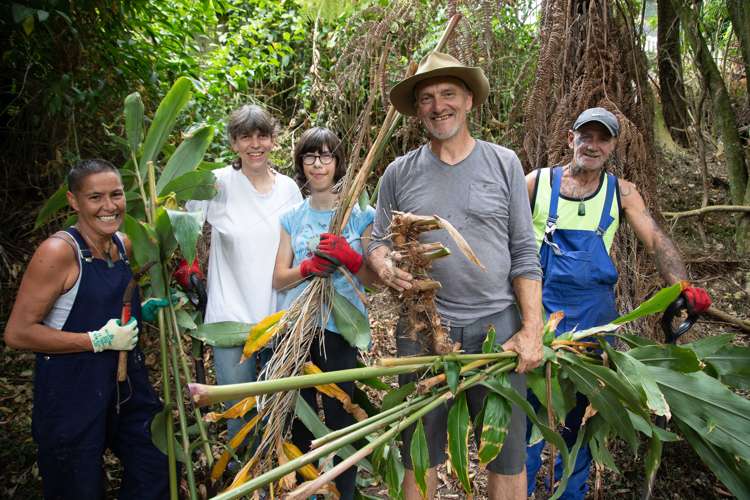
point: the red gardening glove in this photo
(183, 272)
(697, 299)
(316, 266)
(337, 250)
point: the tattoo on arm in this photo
(668, 260)
(625, 190)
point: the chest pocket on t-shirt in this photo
(487, 199)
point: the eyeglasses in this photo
(309, 158)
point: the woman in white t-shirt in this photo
(244, 218)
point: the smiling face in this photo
(100, 203)
(320, 176)
(592, 146)
(442, 104)
(253, 149)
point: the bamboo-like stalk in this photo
(551, 424)
(427, 384)
(209, 394)
(188, 379)
(411, 360)
(175, 369)
(164, 351)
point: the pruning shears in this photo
(672, 333)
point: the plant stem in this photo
(423, 360)
(181, 413)
(208, 394)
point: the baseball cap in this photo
(600, 115)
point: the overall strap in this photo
(120, 248)
(556, 173)
(84, 252)
(606, 219)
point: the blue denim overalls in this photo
(75, 415)
(579, 279)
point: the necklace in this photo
(580, 197)
(106, 253)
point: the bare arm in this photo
(668, 260)
(527, 342)
(366, 275)
(53, 270)
(284, 275)
(531, 182)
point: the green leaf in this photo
(635, 373)
(599, 430)
(458, 436)
(196, 185)
(709, 345)
(310, 419)
(222, 334)
(658, 303)
(452, 370)
(651, 463)
(164, 119)
(668, 356)
(709, 407)
(550, 435)
(488, 345)
(592, 382)
(187, 156)
(496, 417)
(184, 320)
(364, 200)
(54, 204)
(159, 435)
(134, 121)
(397, 396)
(536, 381)
(167, 241)
(350, 322)
(730, 360)
(187, 228)
(634, 340)
(733, 473)
(394, 475)
(146, 250)
(420, 456)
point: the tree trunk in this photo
(724, 117)
(740, 17)
(671, 88)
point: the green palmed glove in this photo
(115, 337)
(150, 307)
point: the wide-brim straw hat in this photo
(434, 65)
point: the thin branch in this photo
(703, 210)
(742, 324)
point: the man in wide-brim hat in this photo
(478, 187)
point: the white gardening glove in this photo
(115, 337)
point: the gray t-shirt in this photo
(485, 198)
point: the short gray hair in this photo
(250, 118)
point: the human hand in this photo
(316, 266)
(384, 265)
(115, 337)
(337, 250)
(527, 343)
(698, 300)
(183, 272)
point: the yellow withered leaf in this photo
(236, 411)
(289, 481)
(221, 463)
(462, 244)
(309, 471)
(334, 391)
(261, 334)
(242, 475)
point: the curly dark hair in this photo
(312, 141)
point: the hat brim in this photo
(402, 94)
(613, 133)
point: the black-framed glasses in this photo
(309, 158)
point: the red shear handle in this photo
(122, 360)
